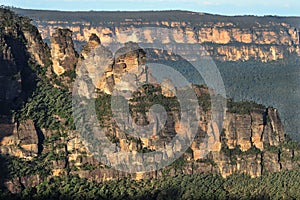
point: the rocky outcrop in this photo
(245, 132)
(259, 126)
(167, 88)
(93, 42)
(243, 146)
(22, 29)
(64, 56)
(123, 72)
(18, 140)
(263, 53)
(36, 47)
(101, 66)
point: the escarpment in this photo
(225, 43)
(225, 38)
(251, 139)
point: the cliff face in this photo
(21, 50)
(35, 46)
(126, 69)
(251, 139)
(64, 56)
(262, 125)
(227, 39)
(19, 140)
(247, 131)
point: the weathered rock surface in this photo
(19, 140)
(64, 56)
(242, 131)
(126, 71)
(36, 47)
(123, 72)
(21, 49)
(254, 128)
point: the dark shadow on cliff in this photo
(4, 176)
(6, 127)
(21, 71)
(41, 139)
(17, 81)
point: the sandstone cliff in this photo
(20, 140)
(247, 131)
(225, 38)
(21, 50)
(64, 56)
(226, 43)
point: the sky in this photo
(224, 7)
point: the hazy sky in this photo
(227, 7)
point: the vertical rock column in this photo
(64, 56)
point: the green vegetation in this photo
(149, 95)
(20, 167)
(103, 108)
(290, 143)
(281, 185)
(145, 150)
(272, 149)
(49, 107)
(207, 161)
(231, 152)
(205, 102)
(243, 107)
(71, 74)
(252, 151)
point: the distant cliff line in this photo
(225, 38)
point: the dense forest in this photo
(283, 185)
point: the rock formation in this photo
(64, 56)
(36, 47)
(19, 140)
(125, 71)
(21, 50)
(247, 132)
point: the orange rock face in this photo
(64, 56)
(228, 38)
(20, 141)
